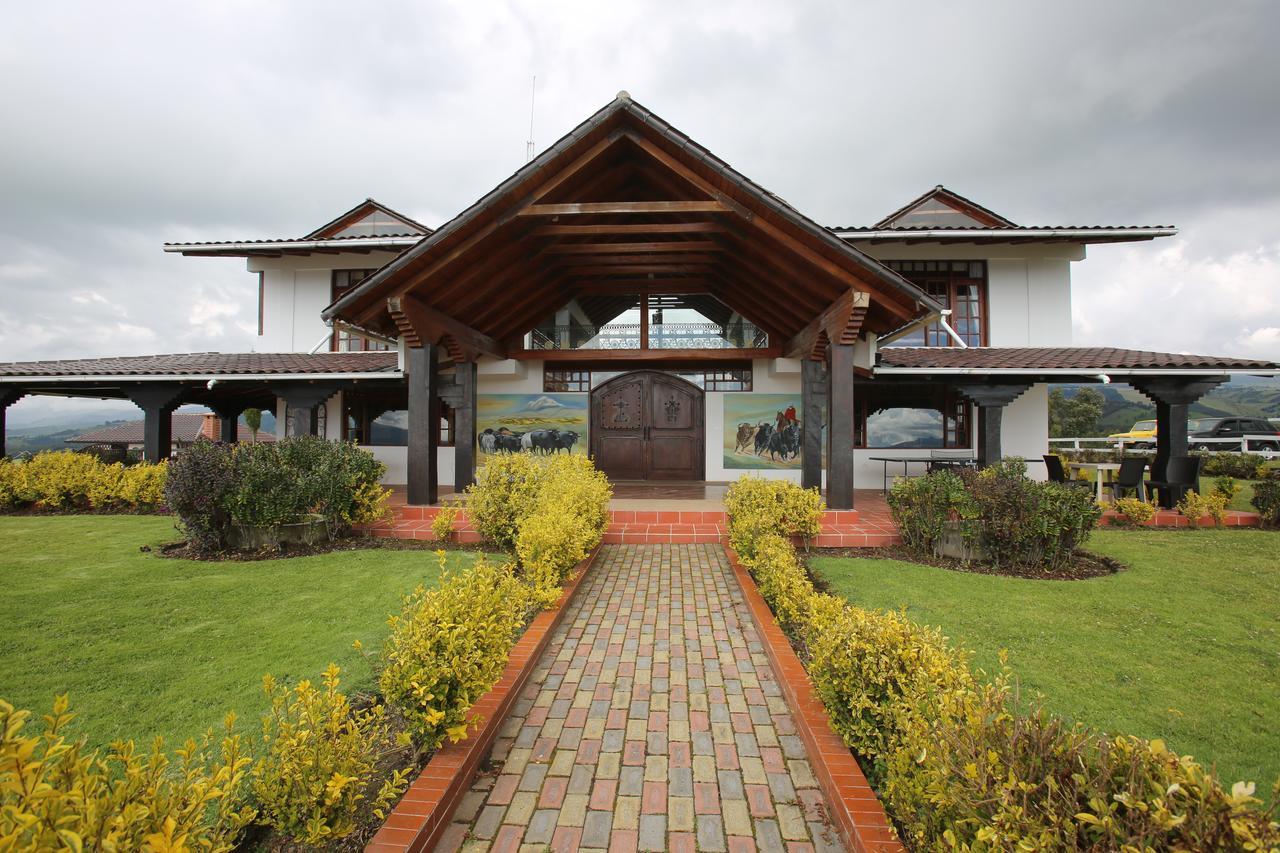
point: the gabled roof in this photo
(206, 365)
(943, 216)
(186, 427)
(504, 261)
(942, 208)
(369, 226)
(374, 213)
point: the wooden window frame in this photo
(933, 335)
(957, 420)
(336, 290)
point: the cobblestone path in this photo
(653, 722)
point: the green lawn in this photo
(1184, 645)
(149, 646)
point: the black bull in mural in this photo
(781, 442)
(540, 441)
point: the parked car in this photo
(1231, 428)
(1141, 429)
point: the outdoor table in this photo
(907, 460)
(1098, 468)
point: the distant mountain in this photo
(50, 432)
(1247, 396)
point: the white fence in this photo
(1258, 444)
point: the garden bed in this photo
(184, 550)
(1082, 565)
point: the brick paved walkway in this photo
(652, 722)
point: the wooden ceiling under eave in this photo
(624, 205)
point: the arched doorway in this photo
(648, 425)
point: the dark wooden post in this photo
(813, 395)
(464, 427)
(228, 421)
(424, 424)
(1173, 396)
(157, 402)
(7, 399)
(840, 425)
(991, 399)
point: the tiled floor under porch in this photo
(653, 722)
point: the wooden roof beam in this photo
(841, 323)
(662, 247)
(430, 325)
(642, 258)
(615, 229)
(598, 208)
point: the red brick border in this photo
(855, 809)
(424, 812)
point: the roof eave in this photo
(1021, 235)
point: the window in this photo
(345, 340)
(958, 285)
(381, 419)
(718, 379)
(910, 417)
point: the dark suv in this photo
(1230, 428)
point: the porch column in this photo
(991, 400)
(300, 402)
(1173, 396)
(421, 365)
(157, 402)
(813, 395)
(464, 426)
(7, 399)
(228, 421)
(840, 426)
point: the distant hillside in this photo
(1248, 397)
(52, 433)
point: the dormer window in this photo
(958, 285)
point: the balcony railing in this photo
(661, 336)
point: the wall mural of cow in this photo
(762, 431)
(539, 424)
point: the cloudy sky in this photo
(128, 125)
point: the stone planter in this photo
(953, 544)
(309, 531)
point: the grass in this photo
(1184, 645)
(149, 646)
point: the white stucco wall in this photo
(1025, 429)
(294, 292)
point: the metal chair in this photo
(1181, 475)
(1129, 478)
(1058, 473)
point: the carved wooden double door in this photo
(648, 426)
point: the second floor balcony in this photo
(664, 336)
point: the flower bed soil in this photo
(183, 550)
(1082, 566)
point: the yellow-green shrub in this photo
(55, 795)
(501, 495)
(64, 479)
(975, 773)
(875, 672)
(1134, 511)
(782, 580)
(1196, 506)
(315, 781)
(567, 517)
(442, 524)
(449, 645)
(757, 506)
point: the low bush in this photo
(1266, 500)
(1196, 506)
(320, 775)
(213, 486)
(1012, 519)
(761, 506)
(449, 645)
(56, 795)
(1242, 466)
(442, 524)
(502, 494)
(67, 479)
(962, 763)
(1134, 511)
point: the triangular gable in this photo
(624, 201)
(941, 208)
(369, 219)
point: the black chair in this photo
(1181, 474)
(1058, 473)
(1129, 478)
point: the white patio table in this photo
(1098, 468)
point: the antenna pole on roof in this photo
(528, 146)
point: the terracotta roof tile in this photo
(211, 364)
(187, 427)
(1057, 358)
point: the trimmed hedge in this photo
(68, 480)
(960, 762)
